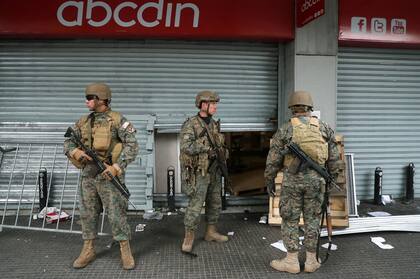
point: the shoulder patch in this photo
(125, 125)
(128, 127)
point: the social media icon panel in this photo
(378, 25)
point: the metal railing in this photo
(39, 189)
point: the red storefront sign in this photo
(195, 19)
(379, 23)
(308, 10)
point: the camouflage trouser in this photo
(94, 193)
(301, 193)
(208, 190)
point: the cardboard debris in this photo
(53, 215)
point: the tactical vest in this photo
(198, 164)
(100, 137)
(309, 138)
(199, 132)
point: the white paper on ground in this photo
(385, 199)
(263, 220)
(140, 227)
(333, 246)
(279, 245)
(380, 242)
(231, 233)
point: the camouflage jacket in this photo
(275, 158)
(122, 132)
(194, 139)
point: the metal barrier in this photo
(39, 190)
(28, 147)
(351, 185)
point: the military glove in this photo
(212, 154)
(111, 171)
(271, 189)
(80, 156)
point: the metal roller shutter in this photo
(378, 114)
(45, 80)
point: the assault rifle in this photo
(220, 161)
(307, 161)
(70, 133)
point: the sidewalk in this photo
(35, 254)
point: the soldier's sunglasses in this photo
(90, 97)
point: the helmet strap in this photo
(208, 107)
(204, 112)
(101, 106)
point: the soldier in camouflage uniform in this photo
(201, 179)
(113, 138)
(302, 190)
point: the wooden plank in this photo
(340, 223)
(247, 181)
(251, 192)
(274, 211)
(336, 213)
(274, 218)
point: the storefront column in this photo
(311, 63)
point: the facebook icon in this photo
(358, 24)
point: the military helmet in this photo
(300, 98)
(206, 96)
(101, 90)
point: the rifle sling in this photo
(207, 129)
(90, 128)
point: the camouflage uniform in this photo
(201, 180)
(300, 192)
(96, 191)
